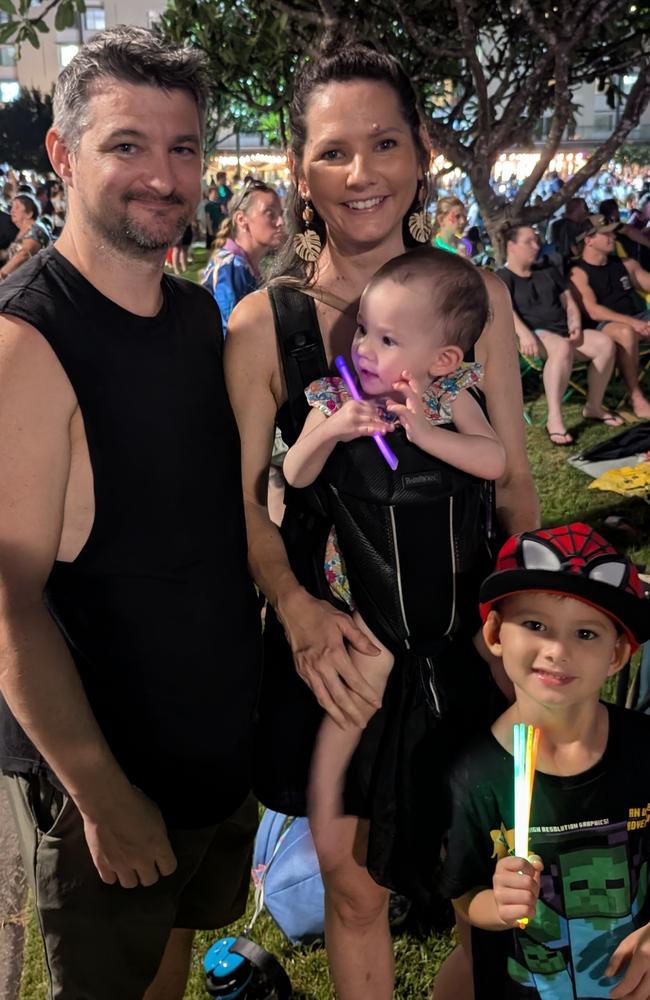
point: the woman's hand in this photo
(516, 887)
(318, 634)
(635, 949)
(357, 419)
(528, 344)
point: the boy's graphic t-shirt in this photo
(591, 830)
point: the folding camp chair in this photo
(533, 368)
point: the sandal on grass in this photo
(560, 438)
(609, 419)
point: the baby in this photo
(418, 318)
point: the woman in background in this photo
(254, 228)
(31, 237)
(449, 225)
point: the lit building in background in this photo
(40, 67)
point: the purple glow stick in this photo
(389, 455)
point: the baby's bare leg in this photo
(334, 746)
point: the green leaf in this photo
(7, 7)
(40, 25)
(32, 36)
(7, 31)
(65, 15)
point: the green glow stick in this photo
(525, 741)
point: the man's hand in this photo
(635, 949)
(317, 634)
(127, 840)
(640, 326)
(528, 344)
(516, 887)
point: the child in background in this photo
(564, 611)
(408, 356)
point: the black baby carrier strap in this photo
(306, 522)
(300, 345)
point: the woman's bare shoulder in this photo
(251, 350)
(496, 288)
(251, 312)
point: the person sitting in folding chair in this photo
(607, 285)
(549, 326)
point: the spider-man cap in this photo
(574, 560)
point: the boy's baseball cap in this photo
(575, 560)
(595, 224)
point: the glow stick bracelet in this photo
(525, 741)
(389, 455)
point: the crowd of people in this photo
(415, 610)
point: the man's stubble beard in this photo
(125, 235)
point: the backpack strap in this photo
(300, 345)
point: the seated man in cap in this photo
(607, 284)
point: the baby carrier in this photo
(416, 541)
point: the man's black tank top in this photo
(611, 285)
(158, 610)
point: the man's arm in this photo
(573, 317)
(639, 276)
(600, 313)
(125, 833)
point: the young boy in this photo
(564, 611)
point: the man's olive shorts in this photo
(103, 942)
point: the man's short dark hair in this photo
(131, 55)
(457, 291)
(511, 234)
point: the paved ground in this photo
(13, 892)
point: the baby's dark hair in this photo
(458, 295)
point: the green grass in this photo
(563, 496)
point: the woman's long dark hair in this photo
(338, 63)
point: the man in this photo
(548, 325)
(606, 286)
(216, 209)
(563, 231)
(129, 633)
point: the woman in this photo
(548, 324)
(254, 227)
(31, 237)
(449, 223)
(359, 160)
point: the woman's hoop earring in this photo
(419, 225)
(307, 245)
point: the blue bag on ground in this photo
(287, 876)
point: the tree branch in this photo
(470, 37)
(561, 115)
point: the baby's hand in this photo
(411, 412)
(516, 887)
(357, 419)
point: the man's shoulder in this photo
(188, 292)
(191, 303)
